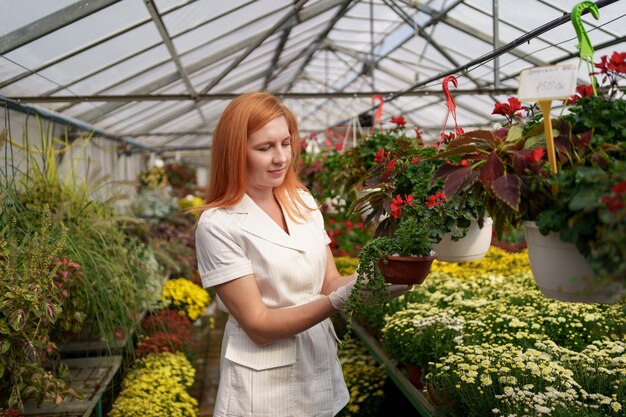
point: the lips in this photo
(277, 172)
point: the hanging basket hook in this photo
(451, 105)
(379, 111)
(584, 44)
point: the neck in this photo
(261, 196)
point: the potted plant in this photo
(582, 204)
(411, 216)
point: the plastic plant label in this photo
(547, 83)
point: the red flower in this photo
(392, 164)
(339, 146)
(415, 160)
(434, 200)
(581, 91)
(408, 199)
(535, 155)
(619, 188)
(399, 121)
(613, 203)
(617, 63)
(380, 156)
(463, 163)
(396, 207)
(447, 138)
(510, 109)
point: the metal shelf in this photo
(90, 377)
(415, 396)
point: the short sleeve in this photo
(318, 218)
(220, 257)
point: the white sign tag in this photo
(547, 83)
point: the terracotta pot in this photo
(415, 376)
(405, 269)
(472, 247)
(436, 397)
(562, 273)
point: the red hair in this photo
(228, 179)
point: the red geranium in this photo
(510, 110)
(399, 121)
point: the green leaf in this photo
(514, 134)
(586, 199)
(534, 142)
(17, 319)
(4, 328)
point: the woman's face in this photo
(269, 155)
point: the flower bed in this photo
(493, 345)
(157, 386)
(364, 377)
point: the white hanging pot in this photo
(563, 274)
(472, 247)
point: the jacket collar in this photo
(258, 223)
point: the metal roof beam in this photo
(167, 40)
(293, 13)
(472, 31)
(283, 40)
(505, 48)
(124, 98)
(100, 112)
(433, 20)
(314, 46)
(75, 52)
(66, 120)
(51, 23)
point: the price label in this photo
(547, 83)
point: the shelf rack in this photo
(415, 396)
(90, 377)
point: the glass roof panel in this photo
(222, 33)
(210, 35)
(197, 13)
(70, 69)
(17, 14)
(80, 33)
(120, 71)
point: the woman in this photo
(262, 246)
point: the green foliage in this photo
(182, 177)
(590, 213)
(31, 301)
(342, 173)
(154, 206)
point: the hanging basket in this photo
(408, 270)
(472, 247)
(563, 274)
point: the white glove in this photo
(339, 297)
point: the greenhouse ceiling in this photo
(158, 73)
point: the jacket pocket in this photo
(243, 351)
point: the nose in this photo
(281, 155)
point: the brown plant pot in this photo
(436, 397)
(406, 270)
(415, 376)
